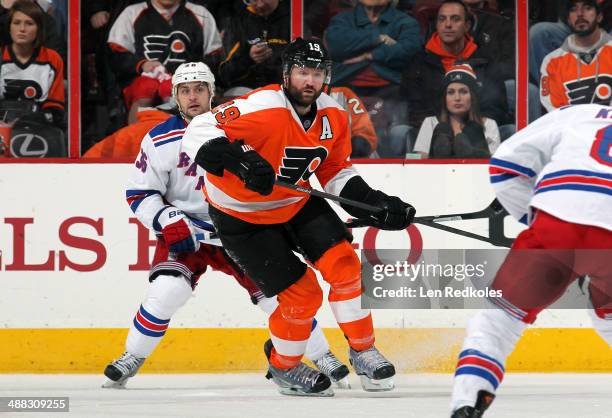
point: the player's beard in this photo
(301, 98)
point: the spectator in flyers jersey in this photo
(580, 71)
(52, 37)
(29, 70)
(151, 39)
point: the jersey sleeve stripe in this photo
(136, 197)
(510, 167)
(207, 226)
(498, 178)
(167, 141)
(585, 173)
(337, 183)
(578, 187)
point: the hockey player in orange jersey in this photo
(290, 132)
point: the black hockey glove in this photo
(257, 173)
(396, 214)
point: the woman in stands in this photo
(30, 71)
(459, 131)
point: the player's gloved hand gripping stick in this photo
(383, 211)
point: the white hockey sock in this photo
(491, 337)
(268, 305)
(602, 326)
(165, 296)
(317, 344)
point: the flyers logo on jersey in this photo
(23, 89)
(300, 162)
(590, 90)
(167, 48)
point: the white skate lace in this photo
(328, 363)
(369, 360)
(302, 374)
(128, 364)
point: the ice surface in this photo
(252, 396)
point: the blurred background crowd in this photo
(418, 78)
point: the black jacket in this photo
(422, 88)
(246, 29)
(495, 34)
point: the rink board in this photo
(74, 261)
(221, 350)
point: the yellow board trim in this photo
(218, 350)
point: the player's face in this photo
(193, 98)
(306, 84)
(583, 18)
(458, 99)
(23, 29)
(451, 23)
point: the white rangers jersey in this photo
(163, 175)
(561, 164)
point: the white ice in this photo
(252, 396)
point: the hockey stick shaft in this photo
(484, 213)
(358, 223)
(329, 196)
(461, 232)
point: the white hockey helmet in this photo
(193, 71)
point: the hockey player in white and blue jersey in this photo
(556, 176)
(165, 192)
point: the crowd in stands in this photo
(419, 78)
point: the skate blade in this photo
(297, 392)
(111, 384)
(372, 385)
(343, 383)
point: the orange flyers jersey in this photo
(266, 120)
(568, 80)
(41, 79)
(360, 122)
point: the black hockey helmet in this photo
(307, 53)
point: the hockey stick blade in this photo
(329, 196)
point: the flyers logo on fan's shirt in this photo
(590, 90)
(41, 79)
(22, 89)
(167, 49)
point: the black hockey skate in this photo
(298, 381)
(119, 371)
(374, 370)
(483, 401)
(333, 368)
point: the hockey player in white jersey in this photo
(555, 176)
(164, 191)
